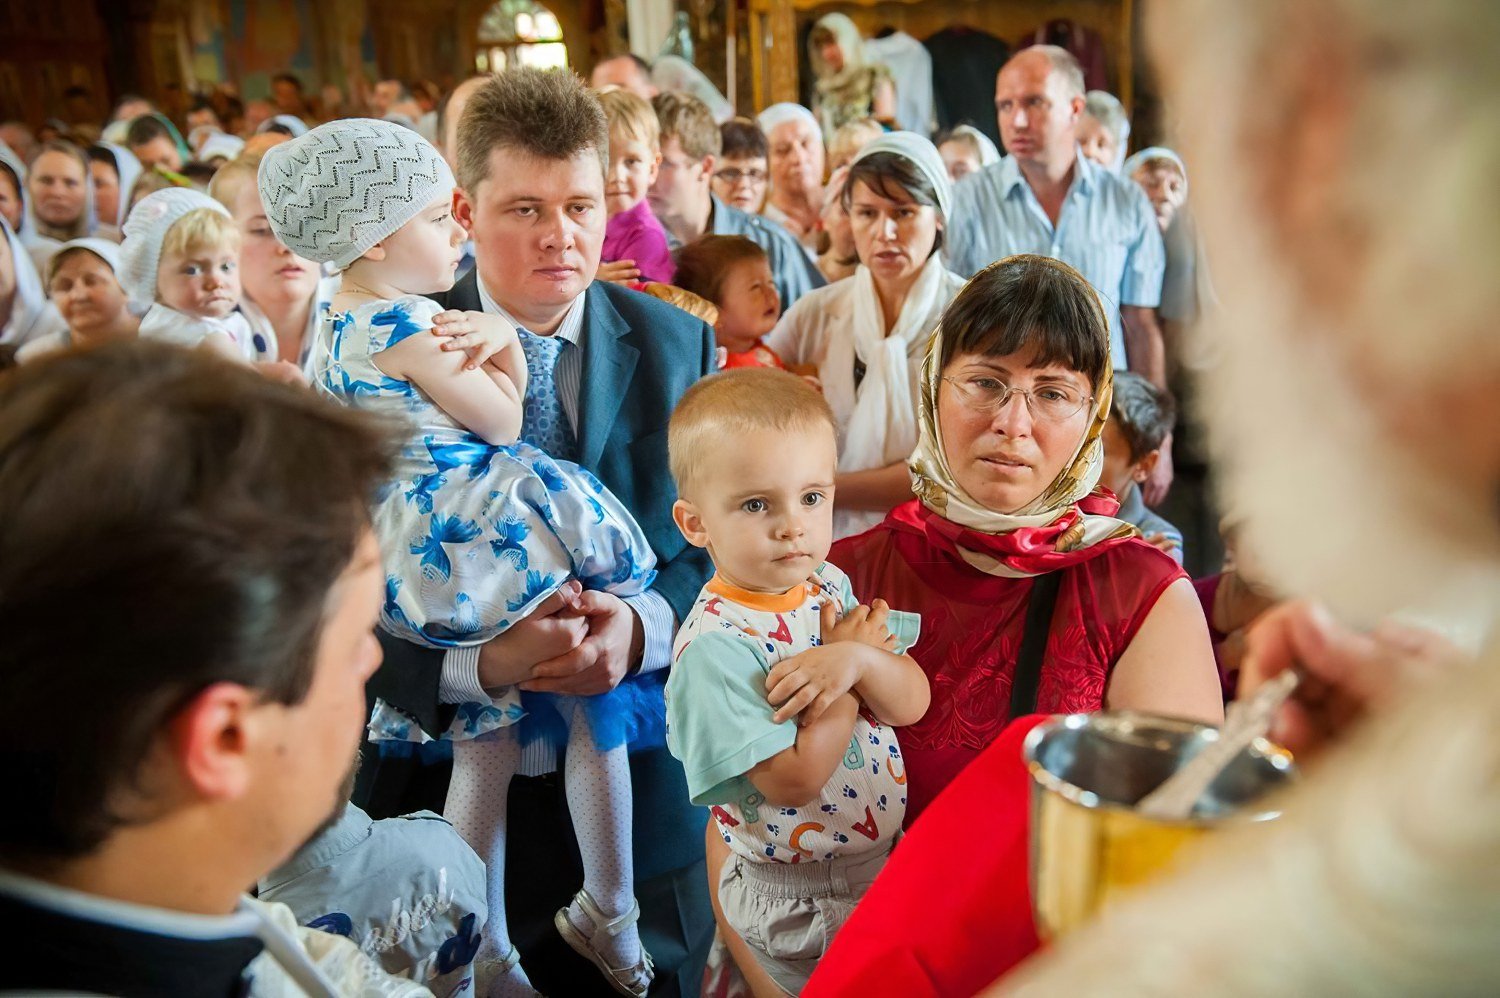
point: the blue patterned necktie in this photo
(544, 425)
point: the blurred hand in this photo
(1347, 674)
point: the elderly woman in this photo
(82, 283)
(283, 294)
(1356, 377)
(865, 334)
(797, 161)
(62, 200)
(849, 86)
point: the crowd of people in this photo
(560, 537)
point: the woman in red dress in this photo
(1011, 557)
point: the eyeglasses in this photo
(1052, 403)
(733, 176)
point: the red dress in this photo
(951, 911)
(971, 632)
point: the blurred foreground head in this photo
(1353, 372)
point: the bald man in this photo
(1044, 197)
(628, 71)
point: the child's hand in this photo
(808, 683)
(480, 334)
(864, 624)
(619, 272)
(1163, 542)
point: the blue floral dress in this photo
(474, 536)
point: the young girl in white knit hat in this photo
(181, 257)
(479, 528)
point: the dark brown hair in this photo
(893, 177)
(742, 138)
(1030, 304)
(544, 113)
(703, 263)
(171, 521)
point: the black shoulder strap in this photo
(1028, 672)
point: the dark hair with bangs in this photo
(893, 177)
(1032, 304)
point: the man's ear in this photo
(211, 741)
(1142, 469)
(685, 515)
(463, 210)
(709, 162)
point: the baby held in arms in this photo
(784, 688)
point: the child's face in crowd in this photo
(1097, 142)
(1119, 472)
(422, 256)
(88, 295)
(58, 190)
(749, 305)
(1166, 188)
(203, 282)
(741, 183)
(960, 159)
(764, 507)
(106, 191)
(632, 171)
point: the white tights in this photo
(598, 789)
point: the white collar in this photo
(570, 329)
(128, 915)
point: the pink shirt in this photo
(637, 235)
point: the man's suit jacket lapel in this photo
(463, 296)
(608, 362)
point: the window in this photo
(519, 33)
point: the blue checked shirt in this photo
(460, 683)
(1106, 231)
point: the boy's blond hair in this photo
(630, 116)
(200, 230)
(722, 407)
(231, 179)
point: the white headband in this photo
(922, 154)
(780, 114)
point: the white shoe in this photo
(633, 981)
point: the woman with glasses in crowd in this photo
(1007, 544)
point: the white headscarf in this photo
(129, 169)
(780, 114)
(989, 154)
(290, 122)
(673, 72)
(220, 144)
(17, 167)
(31, 314)
(1155, 152)
(882, 427)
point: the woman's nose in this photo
(888, 227)
(1013, 417)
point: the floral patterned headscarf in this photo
(1062, 526)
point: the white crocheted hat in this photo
(335, 192)
(146, 228)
